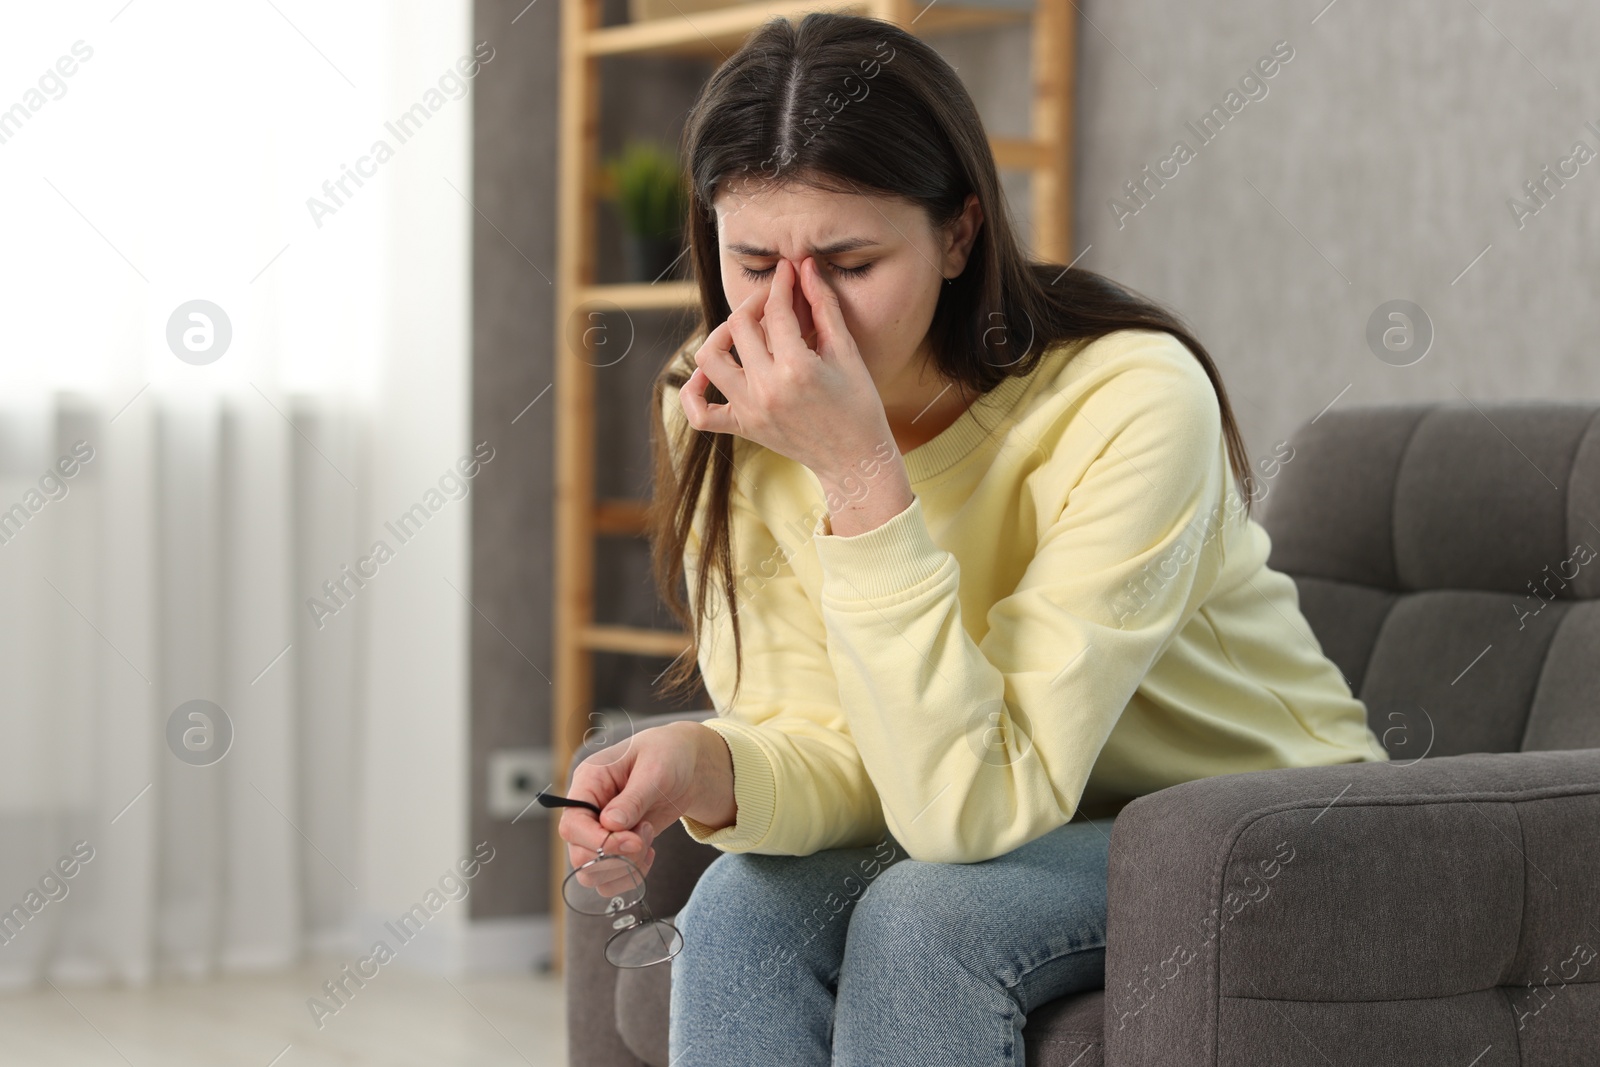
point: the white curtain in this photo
(165, 519)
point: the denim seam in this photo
(1082, 948)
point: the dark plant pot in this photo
(647, 259)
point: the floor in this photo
(397, 1019)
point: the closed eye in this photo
(845, 272)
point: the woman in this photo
(964, 540)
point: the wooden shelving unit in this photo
(580, 517)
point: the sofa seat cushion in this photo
(1068, 1031)
(643, 1002)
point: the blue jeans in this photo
(863, 956)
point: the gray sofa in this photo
(1443, 908)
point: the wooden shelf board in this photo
(636, 640)
(621, 517)
(641, 296)
(713, 35)
(942, 18)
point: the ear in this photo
(959, 236)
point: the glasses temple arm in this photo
(551, 800)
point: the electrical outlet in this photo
(515, 777)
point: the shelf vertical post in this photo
(1054, 60)
(576, 163)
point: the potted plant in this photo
(647, 184)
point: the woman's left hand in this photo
(820, 408)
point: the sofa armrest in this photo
(1358, 913)
(591, 981)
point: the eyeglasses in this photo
(613, 886)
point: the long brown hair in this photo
(784, 108)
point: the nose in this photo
(802, 308)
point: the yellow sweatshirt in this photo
(1071, 613)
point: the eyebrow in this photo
(849, 244)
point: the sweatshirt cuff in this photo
(755, 791)
(892, 558)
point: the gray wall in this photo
(1377, 167)
(513, 267)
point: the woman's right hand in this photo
(642, 784)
